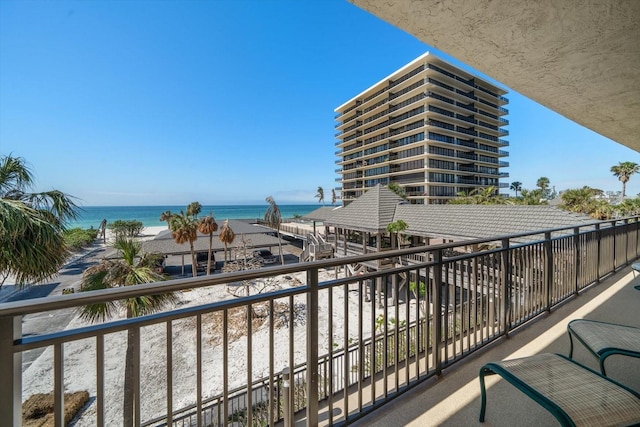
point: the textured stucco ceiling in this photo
(578, 58)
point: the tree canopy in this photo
(32, 245)
(516, 186)
(273, 217)
(320, 195)
(132, 268)
(623, 172)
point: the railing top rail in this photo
(36, 341)
(57, 302)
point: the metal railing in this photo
(353, 337)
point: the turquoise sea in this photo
(91, 216)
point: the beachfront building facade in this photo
(430, 127)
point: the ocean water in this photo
(91, 216)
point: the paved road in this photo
(69, 277)
(57, 320)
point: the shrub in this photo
(77, 238)
(37, 410)
(126, 228)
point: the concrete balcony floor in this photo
(454, 398)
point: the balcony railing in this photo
(351, 339)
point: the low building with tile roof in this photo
(367, 218)
(259, 237)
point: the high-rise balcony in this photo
(330, 347)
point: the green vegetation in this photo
(623, 172)
(77, 238)
(397, 228)
(126, 228)
(133, 268)
(273, 218)
(584, 200)
(208, 225)
(320, 195)
(516, 186)
(479, 196)
(398, 190)
(32, 244)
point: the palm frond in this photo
(31, 247)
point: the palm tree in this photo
(396, 228)
(320, 195)
(131, 269)
(226, 236)
(184, 228)
(516, 186)
(543, 184)
(623, 172)
(397, 189)
(274, 219)
(208, 225)
(32, 246)
(193, 209)
(580, 200)
(532, 197)
(629, 207)
(334, 198)
(166, 216)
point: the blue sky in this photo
(224, 102)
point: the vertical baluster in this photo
(312, 345)
(134, 340)
(199, 369)
(100, 380)
(169, 356)
(58, 384)
(436, 344)
(361, 355)
(250, 364)
(396, 334)
(385, 339)
(11, 369)
(291, 390)
(225, 365)
(272, 416)
(373, 353)
(345, 344)
(330, 346)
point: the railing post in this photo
(11, 368)
(576, 258)
(637, 221)
(312, 347)
(506, 287)
(598, 249)
(548, 276)
(614, 225)
(626, 241)
(437, 312)
(286, 396)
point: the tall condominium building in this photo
(430, 127)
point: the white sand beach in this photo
(80, 356)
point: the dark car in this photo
(202, 259)
(265, 255)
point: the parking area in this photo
(175, 268)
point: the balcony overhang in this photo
(579, 60)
